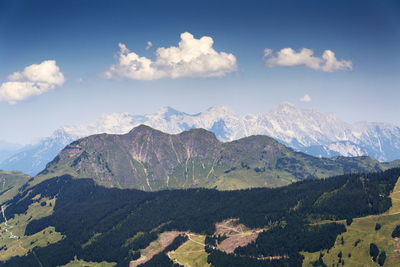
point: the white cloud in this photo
(34, 80)
(306, 98)
(191, 58)
(268, 52)
(287, 57)
(149, 45)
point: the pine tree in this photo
(373, 251)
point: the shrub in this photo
(396, 232)
(373, 251)
(382, 258)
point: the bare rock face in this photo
(149, 159)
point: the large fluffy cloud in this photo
(287, 57)
(34, 80)
(191, 58)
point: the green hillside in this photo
(150, 160)
(354, 245)
(10, 182)
(14, 241)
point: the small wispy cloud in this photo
(149, 45)
(267, 52)
(191, 58)
(287, 57)
(35, 79)
(306, 98)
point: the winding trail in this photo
(188, 235)
(12, 236)
(175, 260)
(4, 183)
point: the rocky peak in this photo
(166, 113)
(286, 107)
(142, 129)
(199, 136)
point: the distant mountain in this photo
(8, 149)
(149, 160)
(310, 131)
(32, 158)
(4, 145)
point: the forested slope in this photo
(106, 224)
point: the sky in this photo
(68, 62)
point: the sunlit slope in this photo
(150, 160)
(13, 239)
(10, 182)
(354, 245)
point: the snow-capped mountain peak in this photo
(167, 112)
(115, 123)
(286, 107)
(219, 111)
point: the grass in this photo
(240, 179)
(62, 170)
(81, 263)
(191, 253)
(362, 231)
(133, 238)
(13, 242)
(10, 182)
(155, 245)
(194, 172)
(91, 240)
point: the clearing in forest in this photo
(237, 235)
(191, 253)
(155, 247)
(14, 242)
(353, 246)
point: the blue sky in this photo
(82, 38)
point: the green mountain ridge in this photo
(150, 160)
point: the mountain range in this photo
(8, 149)
(316, 133)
